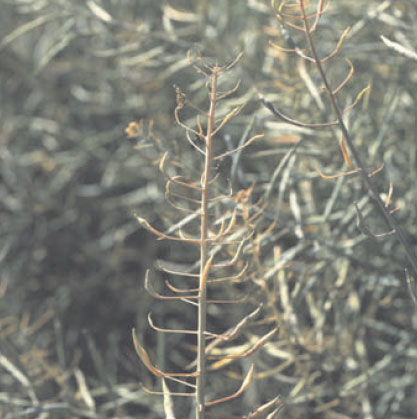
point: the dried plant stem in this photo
(204, 261)
(210, 238)
(363, 172)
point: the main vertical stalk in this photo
(202, 301)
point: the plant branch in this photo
(363, 172)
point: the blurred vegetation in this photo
(73, 75)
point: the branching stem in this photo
(363, 172)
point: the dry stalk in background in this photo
(295, 17)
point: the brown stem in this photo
(204, 260)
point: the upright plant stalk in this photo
(213, 268)
(202, 301)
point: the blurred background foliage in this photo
(73, 75)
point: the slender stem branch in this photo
(202, 307)
(363, 172)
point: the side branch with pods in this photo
(302, 22)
